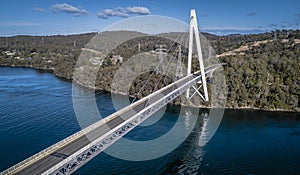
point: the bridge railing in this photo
(76, 135)
(144, 113)
(69, 139)
(60, 144)
(48, 150)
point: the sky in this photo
(53, 17)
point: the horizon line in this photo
(221, 32)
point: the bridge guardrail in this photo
(76, 135)
(143, 112)
(63, 142)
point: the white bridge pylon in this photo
(194, 29)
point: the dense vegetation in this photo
(56, 53)
(262, 70)
(266, 76)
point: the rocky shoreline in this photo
(173, 104)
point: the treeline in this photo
(265, 76)
(223, 44)
(55, 53)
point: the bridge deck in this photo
(43, 164)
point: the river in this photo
(36, 111)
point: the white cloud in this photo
(138, 10)
(67, 8)
(123, 12)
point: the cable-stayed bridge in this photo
(68, 155)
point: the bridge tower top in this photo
(194, 29)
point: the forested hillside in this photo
(265, 76)
(262, 70)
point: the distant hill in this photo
(262, 70)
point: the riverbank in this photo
(260, 73)
(173, 104)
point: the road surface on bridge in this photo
(43, 164)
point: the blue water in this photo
(36, 111)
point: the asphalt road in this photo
(60, 154)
